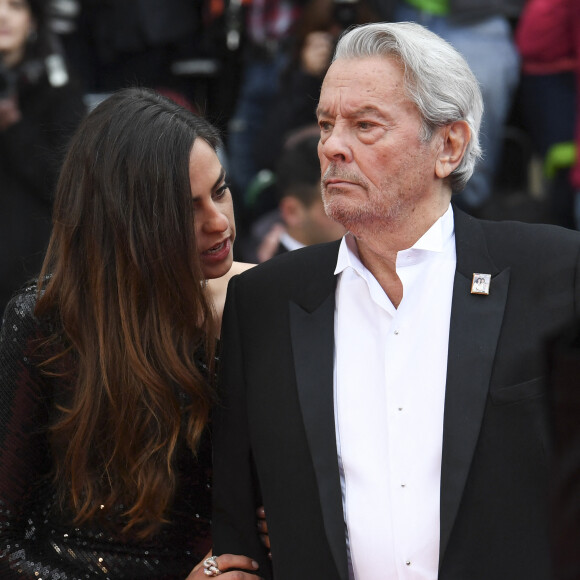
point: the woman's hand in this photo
(226, 562)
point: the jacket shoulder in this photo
(319, 258)
(305, 276)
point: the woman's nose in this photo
(215, 220)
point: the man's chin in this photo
(343, 213)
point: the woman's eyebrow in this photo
(220, 178)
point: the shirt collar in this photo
(437, 236)
(433, 240)
(289, 242)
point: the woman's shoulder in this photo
(22, 304)
(222, 283)
(218, 286)
(238, 268)
(19, 317)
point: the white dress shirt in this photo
(389, 380)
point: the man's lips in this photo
(337, 181)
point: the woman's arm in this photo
(24, 408)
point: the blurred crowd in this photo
(254, 69)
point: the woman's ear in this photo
(455, 136)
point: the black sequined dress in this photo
(37, 540)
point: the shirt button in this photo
(396, 331)
(408, 563)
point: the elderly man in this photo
(384, 396)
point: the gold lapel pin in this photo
(480, 283)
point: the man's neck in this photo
(378, 249)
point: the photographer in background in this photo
(39, 108)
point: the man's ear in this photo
(455, 138)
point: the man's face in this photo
(375, 169)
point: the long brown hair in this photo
(122, 279)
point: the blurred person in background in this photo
(40, 107)
(300, 219)
(548, 38)
(120, 43)
(265, 29)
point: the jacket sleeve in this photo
(236, 494)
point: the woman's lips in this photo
(217, 253)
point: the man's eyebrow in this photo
(366, 111)
(356, 113)
(320, 112)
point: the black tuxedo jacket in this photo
(274, 432)
(565, 492)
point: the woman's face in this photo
(16, 24)
(215, 229)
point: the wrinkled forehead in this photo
(361, 83)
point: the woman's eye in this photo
(221, 191)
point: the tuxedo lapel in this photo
(312, 336)
(473, 335)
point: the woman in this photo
(39, 109)
(106, 362)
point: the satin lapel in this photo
(475, 326)
(312, 335)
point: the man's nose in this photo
(336, 147)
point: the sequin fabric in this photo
(36, 539)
